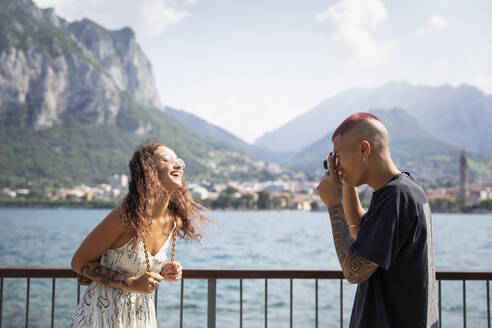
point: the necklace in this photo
(172, 249)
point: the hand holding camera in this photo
(326, 164)
(330, 187)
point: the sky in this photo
(252, 66)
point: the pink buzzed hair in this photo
(350, 122)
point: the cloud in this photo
(149, 18)
(442, 62)
(435, 22)
(438, 22)
(354, 22)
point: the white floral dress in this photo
(103, 306)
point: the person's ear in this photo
(365, 148)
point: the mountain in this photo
(51, 67)
(75, 100)
(413, 149)
(460, 116)
(203, 127)
(207, 129)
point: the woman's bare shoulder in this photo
(102, 237)
(115, 219)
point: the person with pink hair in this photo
(388, 249)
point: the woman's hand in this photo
(145, 284)
(172, 271)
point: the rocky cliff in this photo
(52, 68)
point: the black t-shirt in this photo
(396, 233)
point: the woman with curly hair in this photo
(124, 256)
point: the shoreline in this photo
(36, 203)
(41, 203)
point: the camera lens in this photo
(325, 164)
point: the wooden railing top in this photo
(66, 272)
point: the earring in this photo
(364, 160)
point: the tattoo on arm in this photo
(102, 274)
(355, 268)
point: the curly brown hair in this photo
(145, 190)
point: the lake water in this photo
(287, 240)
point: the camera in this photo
(325, 162)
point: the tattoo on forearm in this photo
(355, 268)
(104, 275)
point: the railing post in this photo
(212, 293)
(28, 288)
(240, 303)
(181, 304)
(464, 304)
(341, 303)
(1, 300)
(53, 304)
(440, 305)
(266, 303)
(155, 302)
(291, 301)
(488, 304)
(316, 302)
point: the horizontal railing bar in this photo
(463, 275)
(36, 272)
(66, 272)
(261, 274)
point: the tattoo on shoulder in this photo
(355, 268)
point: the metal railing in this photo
(212, 275)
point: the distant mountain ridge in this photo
(197, 124)
(210, 130)
(460, 116)
(413, 149)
